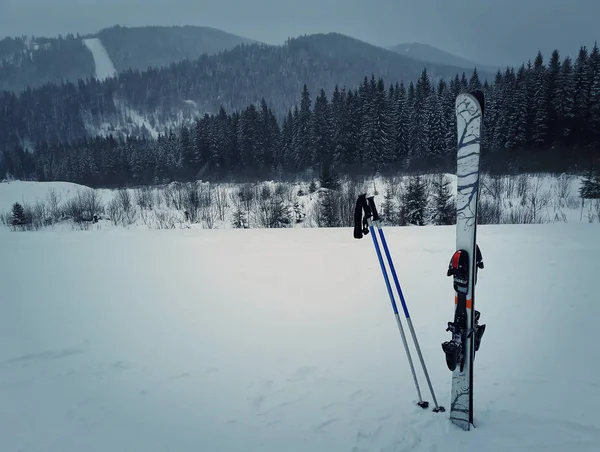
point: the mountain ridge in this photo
(432, 54)
(34, 61)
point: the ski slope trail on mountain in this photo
(104, 65)
(272, 340)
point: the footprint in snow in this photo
(302, 372)
(324, 424)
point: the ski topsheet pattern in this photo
(466, 332)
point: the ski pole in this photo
(361, 204)
(376, 220)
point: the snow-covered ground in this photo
(284, 340)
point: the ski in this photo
(467, 259)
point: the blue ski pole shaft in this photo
(395, 308)
(402, 300)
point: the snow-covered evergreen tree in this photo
(540, 103)
(416, 201)
(321, 131)
(443, 208)
(18, 217)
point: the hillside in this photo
(430, 54)
(165, 97)
(30, 61)
(141, 47)
(285, 340)
(361, 54)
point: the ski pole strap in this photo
(361, 226)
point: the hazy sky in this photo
(487, 31)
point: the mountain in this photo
(34, 61)
(430, 54)
(160, 98)
(143, 47)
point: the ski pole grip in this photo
(374, 212)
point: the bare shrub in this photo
(114, 212)
(6, 218)
(560, 217)
(221, 203)
(517, 215)
(53, 201)
(272, 210)
(562, 188)
(192, 202)
(494, 186)
(166, 194)
(124, 200)
(572, 202)
(280, 189)
(489, 211)
(86, 206)
(537, 199)
(159, 219)
(335, 207)
(244, 199)
(522, 186)
(120, 216)
(165, 220)
(347, 202)
(596, 209)
(144, 197)
(289, 194)
(174, 195)
(40, 215)
(511, 187)
(208, 207)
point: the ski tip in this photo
(439, 409)
(424, 404)
(471, 100)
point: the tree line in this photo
(539, 117)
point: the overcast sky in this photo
(488, 31)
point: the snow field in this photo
(285, 339)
